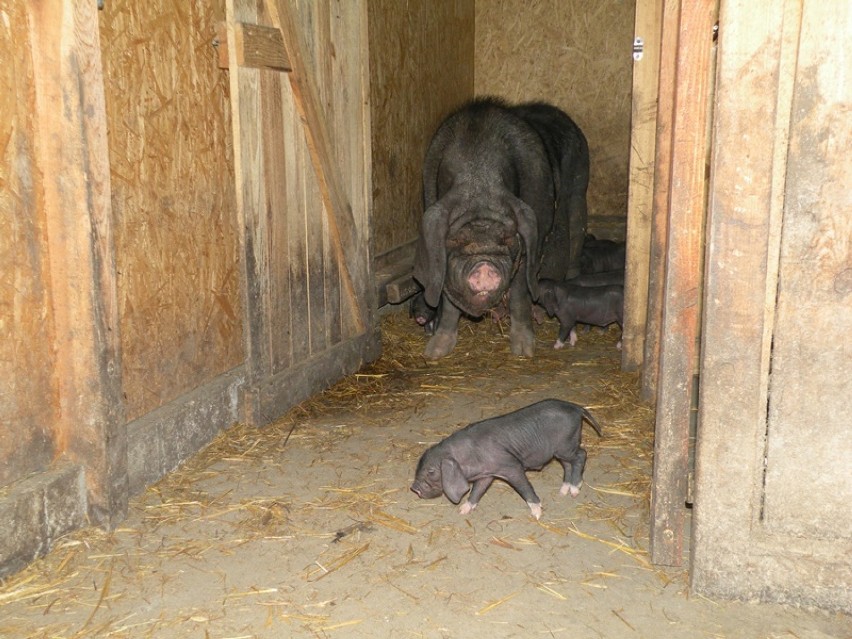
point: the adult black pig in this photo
(501, 185)
(505, 447)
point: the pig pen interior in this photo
(307, 526)
(304, 525)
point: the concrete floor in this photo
(312, 532)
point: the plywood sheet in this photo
(577, 55)
(421, 68)
(172, 198)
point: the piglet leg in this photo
(476, 493)
(517, 479)
(573, 473)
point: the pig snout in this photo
(484, 279)
(416, 490)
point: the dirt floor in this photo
(307, 528)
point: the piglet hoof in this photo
(572, 337)
(535, 510)
(618, 346)
(570, 489)
(466, 508)
(559, 344)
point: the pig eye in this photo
(432, 472)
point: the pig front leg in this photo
(476, 493)
(572, 477)
(521, 335)
(444, 340)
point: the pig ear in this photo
(528, 230)
(430, 261)
(452, 480)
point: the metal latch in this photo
(638, 48)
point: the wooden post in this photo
(683, 278)
(73, 159)
(660, 209)
(640, 197)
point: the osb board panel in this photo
(172, 198)
(307, 313)
(421, 67)
(578, 56)
(27, 396)
(808, 486)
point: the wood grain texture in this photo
(578, 56)
(28, 403)
(421, 68)
(683, 280)
(173, 198)
(772, 471)
(660, 204)
(646, 76)
(302, 165)
(71, 150)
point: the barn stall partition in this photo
(745, 295)
(188, 246)
(173, 264)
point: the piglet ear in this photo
(430, 260)
(452, 480)
(528, 230)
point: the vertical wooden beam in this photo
(683, 280)
(73, 160)
(662, 183)
(646, 72)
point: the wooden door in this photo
(774, 486)
(299, 93)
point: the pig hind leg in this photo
(518, 480)
(572, 477)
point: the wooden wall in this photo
(773, 486)
(28, 410)
(173, 197)
(577, 55)
(421, 67)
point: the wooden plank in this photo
(681, 294)
(296, 220)
(257, 47)
(660, 209)
(757, 64)
(345, 235)
(251, 199)
(803, 498)
(73, 160)
(649, 16)
(260, 47)
(401, 288)
(277, 156)
(26, 352)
